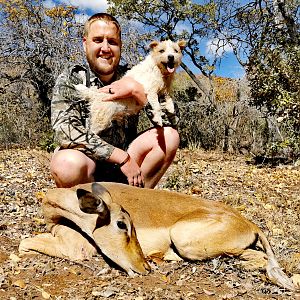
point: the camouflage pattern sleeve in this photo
(70, 114)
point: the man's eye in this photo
(114, 43)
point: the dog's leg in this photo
(155, 108)
(169, 104)
(170, 110)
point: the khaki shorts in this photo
(109, 172)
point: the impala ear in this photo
(100, 191)
(90, 203)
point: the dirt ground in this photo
(268, 196)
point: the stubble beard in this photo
(101, 70)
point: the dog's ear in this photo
(181, 44)
(153, 44)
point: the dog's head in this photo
(167, 54)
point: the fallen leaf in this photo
(39, 221)
(208, 292)
(14, 258)
(20, 283)
(269, 206)
(45, 295)
(241, 207)
(296, 280)
(40, 195)
(73, 271)
(277, 231)
(165, 279)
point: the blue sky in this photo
(229, 67)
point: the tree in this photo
(38, 41)
(36, 44)
(174, 19)
(265, 38)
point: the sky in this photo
(229, 66)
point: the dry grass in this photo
(267, 196)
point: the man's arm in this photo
(126, 87)
(68, 117)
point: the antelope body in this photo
(163, 221)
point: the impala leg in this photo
(253, 259)
(63, 242)
(44, 243)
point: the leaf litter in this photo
(268, 196)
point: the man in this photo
(118, 154)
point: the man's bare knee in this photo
(70, 167)
(171, 137)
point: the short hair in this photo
(103, 17)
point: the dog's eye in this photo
(122, 225)
(162, 51)
(176, 50)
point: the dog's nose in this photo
(171, 57)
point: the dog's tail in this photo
(275, 273)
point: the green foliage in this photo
(265, 37)
(47, 142)
(273, 72)
(22, 123)
(39, 42)
(173, 19)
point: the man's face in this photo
(103, 49)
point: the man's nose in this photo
(105, 45)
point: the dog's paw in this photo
(157, 120)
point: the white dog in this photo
(155, 73)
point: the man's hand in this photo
(133, 173)
(130, 168)
(126, 87)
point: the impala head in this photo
(167, 55)
(114, 233)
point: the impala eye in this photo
(122, 225)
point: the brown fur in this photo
(198, 229)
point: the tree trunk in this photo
(194, 78)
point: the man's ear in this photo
(84, 43)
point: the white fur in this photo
(156, 79)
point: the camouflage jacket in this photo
(70, 117)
